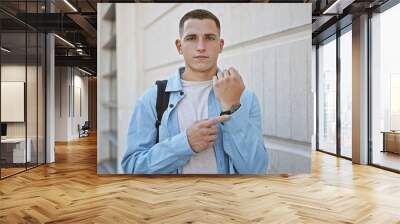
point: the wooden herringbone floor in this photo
(70, 191)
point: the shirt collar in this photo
(174, 81)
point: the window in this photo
(385, 89)
(346, 75)
(327, 96)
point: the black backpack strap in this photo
(162, 103)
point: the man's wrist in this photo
(231, 110)
(227, 107)
(188, 140)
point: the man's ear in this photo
(221, 45)
(178, 45)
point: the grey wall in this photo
(68, 81)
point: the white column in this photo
(50, 99)
(360, 90)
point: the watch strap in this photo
(231, 111)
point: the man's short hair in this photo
(198, 14)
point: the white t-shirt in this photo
(194, 107)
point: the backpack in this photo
(162, 104)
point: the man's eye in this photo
(211, 38)
(190, 38)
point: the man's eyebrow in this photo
(189, 35)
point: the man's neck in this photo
(190, 75)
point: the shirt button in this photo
(171, 105)
(181, 93)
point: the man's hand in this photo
(228, 88)
(202, 134)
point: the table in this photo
(13, 150)
(391, 141)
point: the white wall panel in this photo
(283, 85)
(299, 87)
(257, 78)
(154, 12)
(269, 102)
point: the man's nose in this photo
(201, 45)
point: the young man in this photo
(212, 124)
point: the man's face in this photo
(200, 44)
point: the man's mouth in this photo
(201, 57)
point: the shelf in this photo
(111, 136)
(107, 166)
(111, 44)
(110, 75)
(110, 104)
(110, 14)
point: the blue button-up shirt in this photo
(239, 147)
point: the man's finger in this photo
(210, 122)
(225, 118)
(226, 73)
(201, 121)
(222, 75)
(219, 74)
(222, 118)
(234, 72)
(215, 120)
(215, 79)
(213, 131)
(211, 138)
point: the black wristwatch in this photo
(230, 111)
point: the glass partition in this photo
(13, 109)
(22, 67)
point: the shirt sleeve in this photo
(143, 155)
(243, 140)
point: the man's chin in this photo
(201, 68)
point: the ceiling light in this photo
(84, 71)
(334, 8)
(64, 40)
(79, 51)
(70, 5)
(5, 50)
